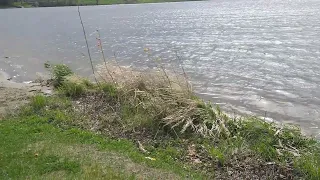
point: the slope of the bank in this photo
(147, 124)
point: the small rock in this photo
(27, 82)
(197, 161)
(141, 148)
(270, 163)
(150, 158)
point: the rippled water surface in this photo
(259, 57)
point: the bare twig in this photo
(104, 59)
(141, 148)
(116, 61)
(85, 37)
(184, 72)
(164, 71)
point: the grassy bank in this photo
(22, 4)
(16, 5)
(133, 125)
(32, 147)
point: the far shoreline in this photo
(37, 4)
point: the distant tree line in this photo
(50, 3)
(5, 2)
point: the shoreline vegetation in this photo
(59, 3)
(144, 125)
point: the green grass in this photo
(33, 148)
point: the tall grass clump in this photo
(38, 102)
(164, 101)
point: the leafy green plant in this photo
(58, 72)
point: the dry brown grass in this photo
(165, 98)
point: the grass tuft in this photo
(72, 89)
(109, 89)
(38, 102)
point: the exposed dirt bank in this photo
(13, 94)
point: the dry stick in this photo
(175, 132)
(165, 73)
(115, 60)
(155, 136)
(102, 77)
(184, 72)
(104, 59)
(265, 115)
(85, 37)
(176, 74)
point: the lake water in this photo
(259, 57)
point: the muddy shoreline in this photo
(14, 94)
